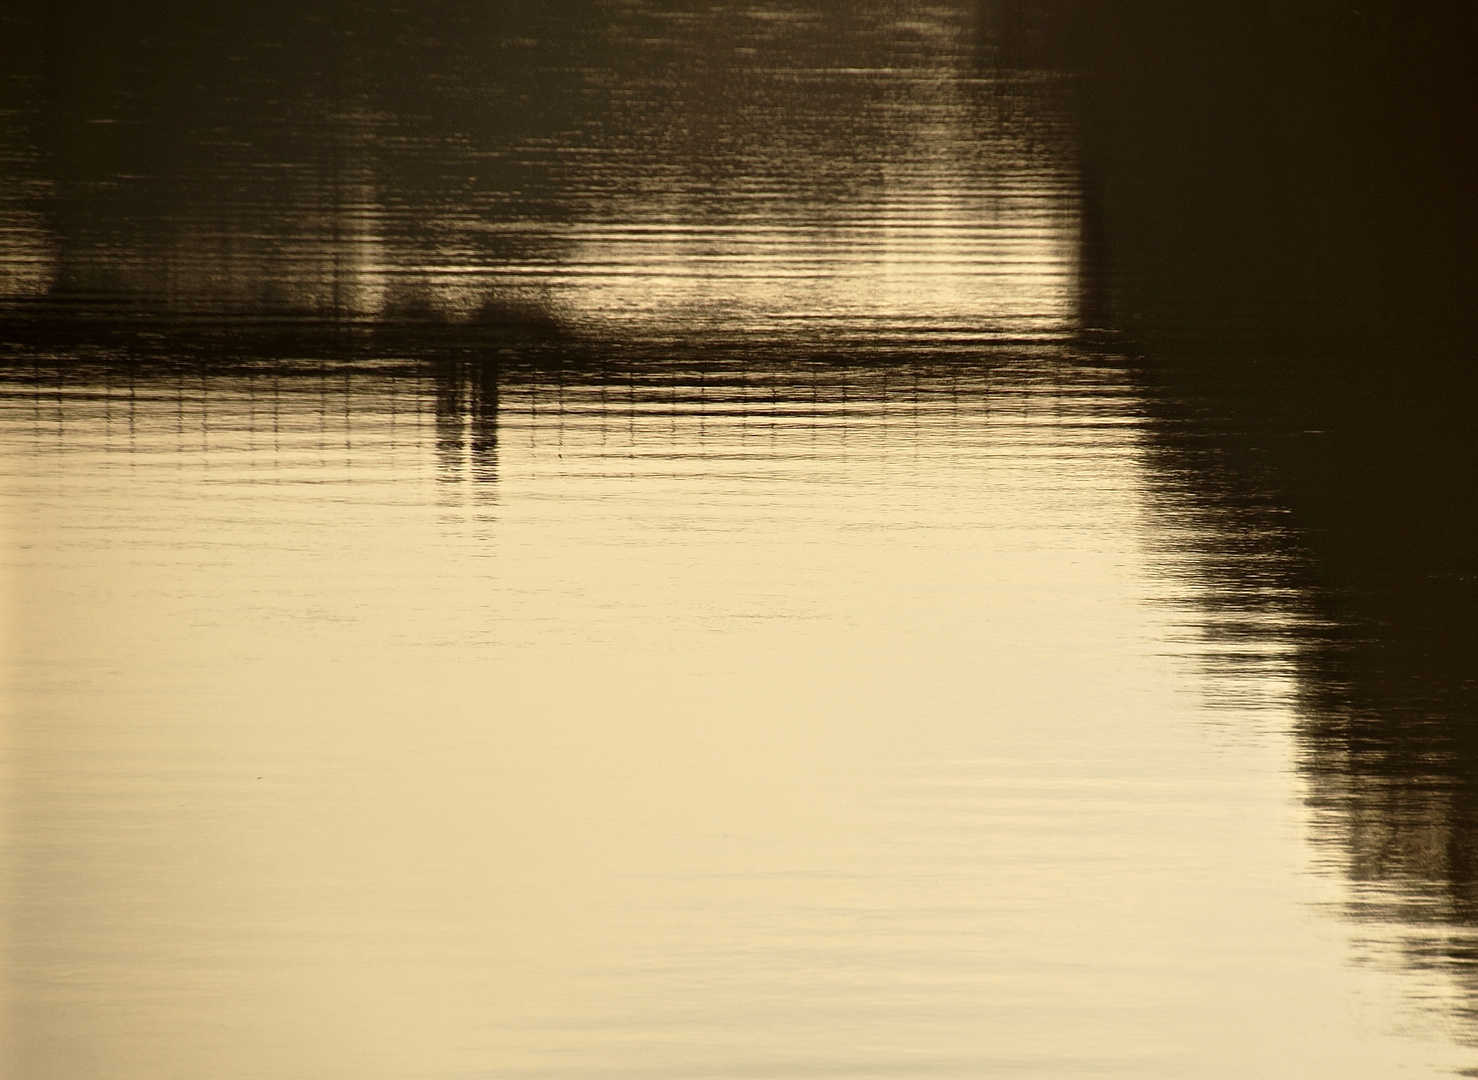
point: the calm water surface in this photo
(742, 721)
(627, 539)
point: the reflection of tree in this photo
(1386, 700)
(1280, 223)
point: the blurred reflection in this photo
(823, 172)
(647, 170)
(1279, 223)
(467, 421)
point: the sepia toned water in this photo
(740, 722)
(640, 539)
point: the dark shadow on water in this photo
(1280, 230)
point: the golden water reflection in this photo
(691, 720)
(832, 174)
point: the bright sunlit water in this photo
(747, 721)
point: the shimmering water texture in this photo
(627, 538)
(645, 172)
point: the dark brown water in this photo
(641, 538)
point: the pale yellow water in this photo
(753, 721)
